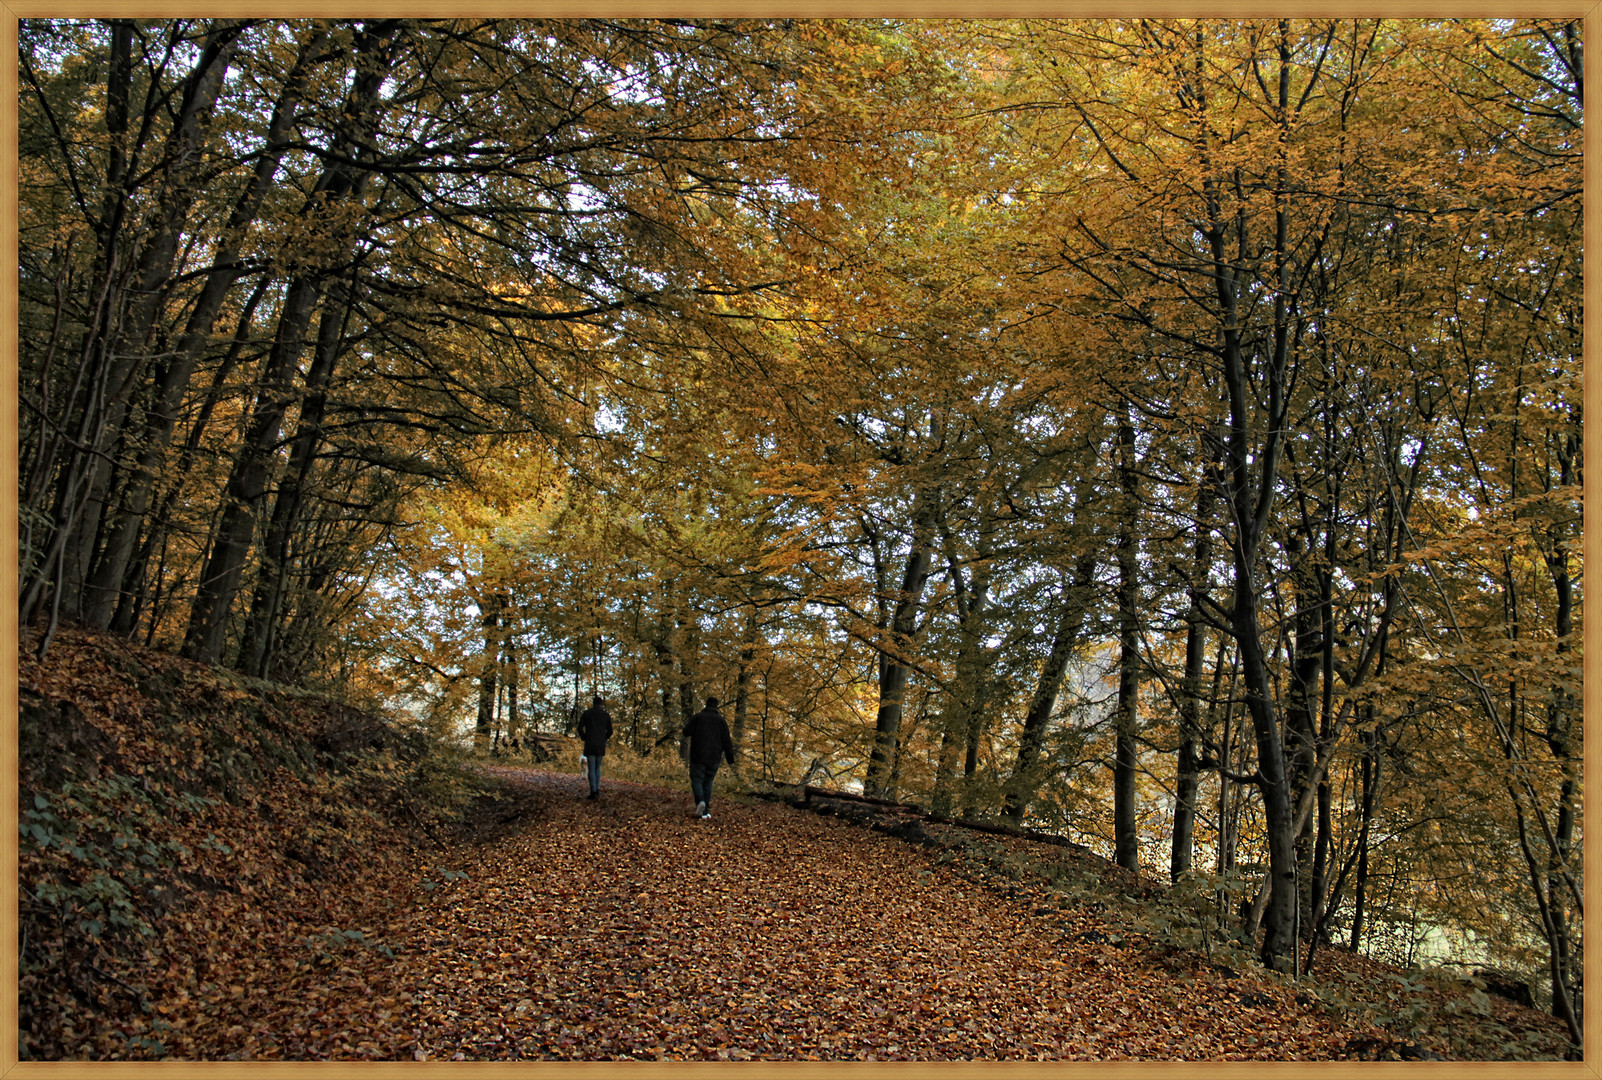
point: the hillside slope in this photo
(178, 825)
(218, 869)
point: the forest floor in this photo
(628, 929)
(289, 916)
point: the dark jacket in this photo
(709, 738)
(595, 727)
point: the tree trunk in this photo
(975, 709)
(1326, 710)
(1126, 838)
(1370, 780)
(664, 670)
(509, 675)
(689, 649)
(129, 343)
(1559, 738)
(1185, 784)
(1228, 792)
(490, 624)
(1189, 766)
(1301, 748)
(1251, 502)
(895, 654)
(272, 580)
(963, 707)
(1074, 603)
(225, 567)
(83, 407)
(123, 621)
(742, 683)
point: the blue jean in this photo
(594, 761)
(701, 782)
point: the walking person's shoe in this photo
(700, 810)
(707, 816)
(595, 795)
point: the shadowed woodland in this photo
(1154, 440)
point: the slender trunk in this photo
(1321, 932)
(151, 276)
(1251, 502)
(664, 668)
(742, 682)
(1326, 711)
(1370, 779)
(1559, 738)
(1321, 849)
(976, 717)
(1563, 1002)
(1125, 835)
(1073, 605)
(1185, 784)
(963, 711)
(83, 407)
(894, 656)
(954, 711)
(1226, 830)
(225, 567)
(1301, 749)
(945, 763)
(1189, 767)
(123, 622)
(1228, 796)
(489, 622)
(272, 580)
(509, 675)
(35, 426)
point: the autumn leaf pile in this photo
(283, 899)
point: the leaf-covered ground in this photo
(215, 870)
(629, 929)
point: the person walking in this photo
(595, 727)
(709, 740)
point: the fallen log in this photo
(808, 793)
(1006, 830)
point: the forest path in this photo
(627, 928)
